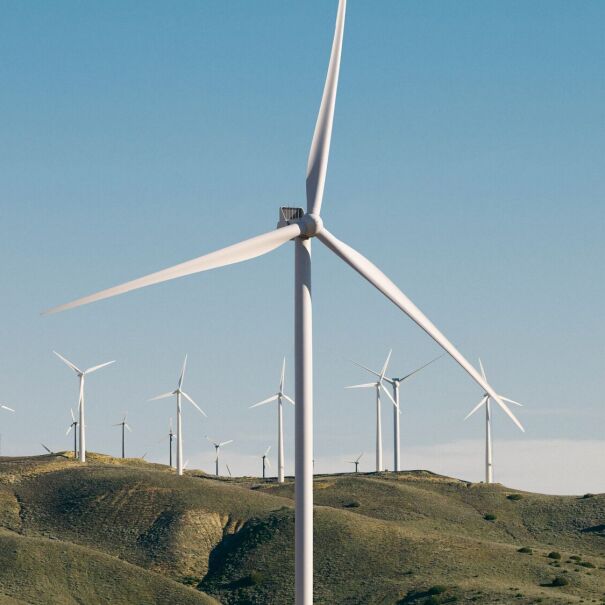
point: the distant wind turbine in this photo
(266, 463)
(179, 422)
(81, 374)
(170, 439)
(486, 401)
(279, 397)
(124, 425)
(301, 227)
(217, 448)
(395, 383)
(377, 386)
(356, 462)
(53, 453)
(73, 427)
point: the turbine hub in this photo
(310, 225)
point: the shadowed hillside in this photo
(113, 531)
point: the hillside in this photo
(114, 531)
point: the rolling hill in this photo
(114, 531)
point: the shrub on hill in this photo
(554, 555)
(560, 581)
(526, 550)
(514, 497)
(489, 517)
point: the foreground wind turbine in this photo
(279, 397)
(486, 401)
(395, 383)
(73, 426)
(356, 462)
(179, 422)
(301, 227)
(266, 463)
(81, 374)
(217, 448)
(377, 386)
(124, 425)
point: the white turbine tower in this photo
(81, 374)
(279, 397)
(266, 462)
(73, 426)
(395, 384)
(300, 227)
(377, 386)
(217, 448)
(486, 401)
(356, 462)
(179, 421)
(124, 425)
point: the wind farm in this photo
(457, 147)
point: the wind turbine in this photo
(300, 227)
(377, 386)
(356, 462)
(124, 425)
(53, 453)
(217, 448)
(395, 383)
(170, 438)
(486, 401)
(279, 397)
(73, 426)
(179, 422)
(266, 463)
(81, 374)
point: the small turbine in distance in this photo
(486, 401)
(356, 462)
(124, 425)
(377, 386)
(73, 426)
(266, 463)
(395, 383)
(217, 448)
(179, 422)
(81, 374)
(279, 397)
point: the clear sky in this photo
(467, 162)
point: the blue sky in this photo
(467, 162)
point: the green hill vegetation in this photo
(114, 531)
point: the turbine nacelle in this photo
(310, 224)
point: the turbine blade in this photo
(421, 368)
(380, 281)
(128, 427)
(182, 376)
(69, 430)
(267, 451)
(67, 362)
(385, 366)
(283, 375)
(377, 374)
(164, 396)
(511, 401)
(359, 457)
(483, 400)
(268, 462)
(482, 370)
(288, 398)
(386, 391)
(5, 407)
(73, 418)
(363, 386)
(195, 405)
(507, 411)
(268, 400)
(95, 368)
(225, 442)
(49, 451)
(317, 164)
(250, 248)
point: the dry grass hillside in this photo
(114, 531)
